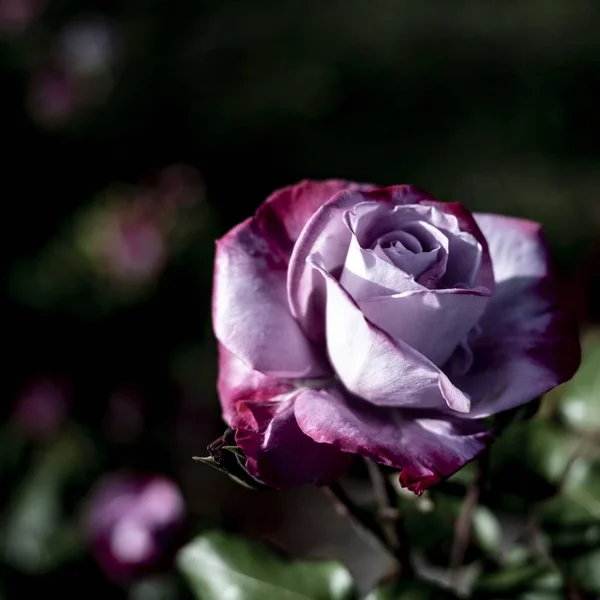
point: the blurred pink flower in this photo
(129, 244)
(17, 15)
(132, 523)
(51, 97)
(41, 407)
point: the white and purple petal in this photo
(277, 451)
(251, 315)
(525, 344)
(372, 365)
(237, 381)
(433, 322)
(425, 448)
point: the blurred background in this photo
(135, 134)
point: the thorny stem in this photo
(393, 528)
(464, 522)
(361, 519)
(387, 536)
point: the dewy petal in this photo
(433, 322)
(325, 233)
(278, 452)
(526, 345)
(237, 381)
(373, 366)
(424, 448)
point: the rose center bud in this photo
(415, 250)
(402, 270)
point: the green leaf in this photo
(157, 587)
(585, 571)
(487, 530)
(430, 521)
(36, 535)
(572, 519)
(429, 524)
(528, 463)
(512, 582)
(218, 565)
(409, 590)
(580, 404)
(226, 457)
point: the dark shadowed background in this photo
(136, 133)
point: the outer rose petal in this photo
(526, 345)
(251, 316)
(372, 366)
(327, 234)
(425, 449)
(237, 381)
(285, 212)
(278, 452)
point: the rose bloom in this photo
(132, 523)
(356, 320)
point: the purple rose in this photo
(132, 523)
(353, 319)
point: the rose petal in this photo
(284, 213)
(278, 453)
(433, 322)
(367, 274)
(237, 381)
(526, 345)
(373, 366)
(425, 449)
(462, 251)
(372, 223)
(325, 233)
(251, 316)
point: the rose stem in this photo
(393, 527)
(462, 527)
(361, 519)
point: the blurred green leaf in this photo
(162, 587)
(528, 463)
(36, 535)
(429, 525)
(512, 582)
(580, 403)
(218, 565)
(409, 590)
(572, 518)
(487, 530)
(584, 570)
